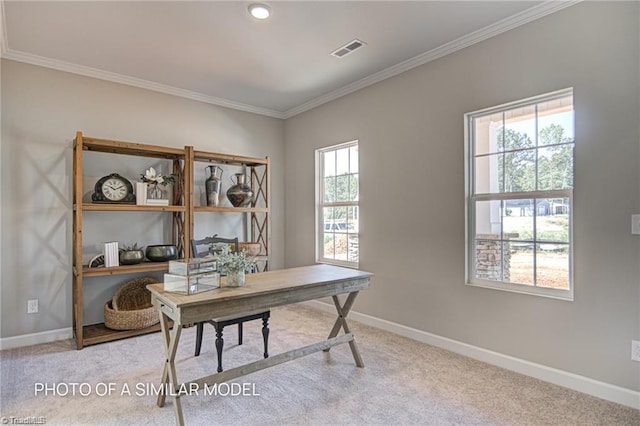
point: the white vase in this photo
(235, 278)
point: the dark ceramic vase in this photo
(240, 194)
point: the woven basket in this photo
(130, 320)
(252, 249)
(131, 308)
(133, 295)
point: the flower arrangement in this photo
(152, 177)
(234, 262)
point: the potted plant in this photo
(131, 255)
(235, 264)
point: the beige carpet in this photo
(404, 383)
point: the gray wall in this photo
(410, 129)
(42, 110)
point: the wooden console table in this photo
(261, 291)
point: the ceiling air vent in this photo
(343, 51)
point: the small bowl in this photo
(162, 252)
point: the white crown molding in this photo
(563, 378)
(133, 81)
(477, 36)
(531, 14)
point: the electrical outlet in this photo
(635, 224)
(635, 350)
(32, 306)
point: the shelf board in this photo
(229, 159)
(99, 333)
(130, 208)
(125, 269)
(131, 148)
(231, 209)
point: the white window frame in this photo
(320, 204)
(472, 197)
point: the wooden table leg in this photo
(169, 380)
(341, 322)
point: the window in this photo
(519, 195)
(337, 204)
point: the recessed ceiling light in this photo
(259, 11)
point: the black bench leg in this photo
(199, 329)
(265, 334)
(219, 345)
(239, 333)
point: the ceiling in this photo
(215, 52)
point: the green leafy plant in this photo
(234, 262)
(134, 247)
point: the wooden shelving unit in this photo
(182, 211)
(98, 333)
(125, 269)
(130, 208)
(231, 209)
(259, 211)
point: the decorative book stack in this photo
(141, 193)
(190, 276)
(111, 254)
(157, 202)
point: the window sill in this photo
(552, 293)
(352, 265)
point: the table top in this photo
(264, 283)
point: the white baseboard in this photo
(36, 338)
(576, 382)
